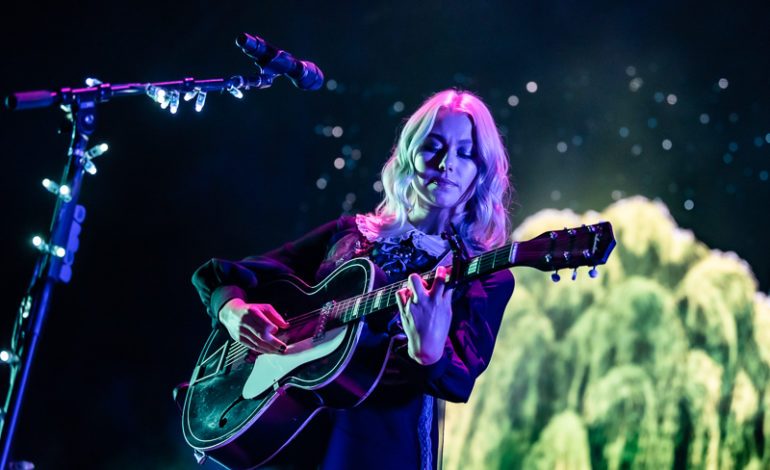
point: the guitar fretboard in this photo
(385, 297)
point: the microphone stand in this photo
(57, 251)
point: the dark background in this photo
(242, 176)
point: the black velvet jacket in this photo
(381, 432)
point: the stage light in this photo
(173, 101)
(200, 101)
(235, 92)
(7, 357)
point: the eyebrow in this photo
(441, 138)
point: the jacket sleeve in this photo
(476, 319)
(219, 281)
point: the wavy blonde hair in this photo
(485, 224)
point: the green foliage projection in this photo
(661, 362)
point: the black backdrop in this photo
(243, 175)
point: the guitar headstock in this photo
(589, 245)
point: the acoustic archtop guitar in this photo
(241, 413)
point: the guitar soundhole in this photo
(223, 418)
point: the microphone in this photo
(303, 74)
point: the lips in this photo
(439, 181)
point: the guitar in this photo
(241, 414)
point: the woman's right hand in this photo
(253, 325)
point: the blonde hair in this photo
(485, 224)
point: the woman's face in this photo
(446, 163)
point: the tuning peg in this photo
(555, 276)
(593, 272)
(574, 274)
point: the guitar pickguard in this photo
(270, 368)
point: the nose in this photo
(447, 163)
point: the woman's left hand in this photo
(426, 316)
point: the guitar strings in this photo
(240, 351)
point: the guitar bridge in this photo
(323, 319)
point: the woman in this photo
(449, 167)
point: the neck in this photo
(433, 221)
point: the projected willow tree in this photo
(661, 362)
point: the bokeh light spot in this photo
(531, 87)
(666, 144)
(513, 100)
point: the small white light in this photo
(704, 118)
(513, 101)
(339, 163)
(190, 95)
(200, 101)
(723, 83)
(91, 81)
(398, 106)
(59, 251)
(174, 102)
(235, 92)
(321, 183)
(90, 167)
(531, 87)
(48, 183)
(5, 356)
(561, 147)
(64, 190)
(160, 95)
(666, 144)
(97, 150)
(377, 186)
(671, 99)
(337, 131)
(331, 85)
(37, 241)
(164, 105)
(689, 204)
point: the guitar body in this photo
(242, 414)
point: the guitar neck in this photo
(384, 298)
(550, 251)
